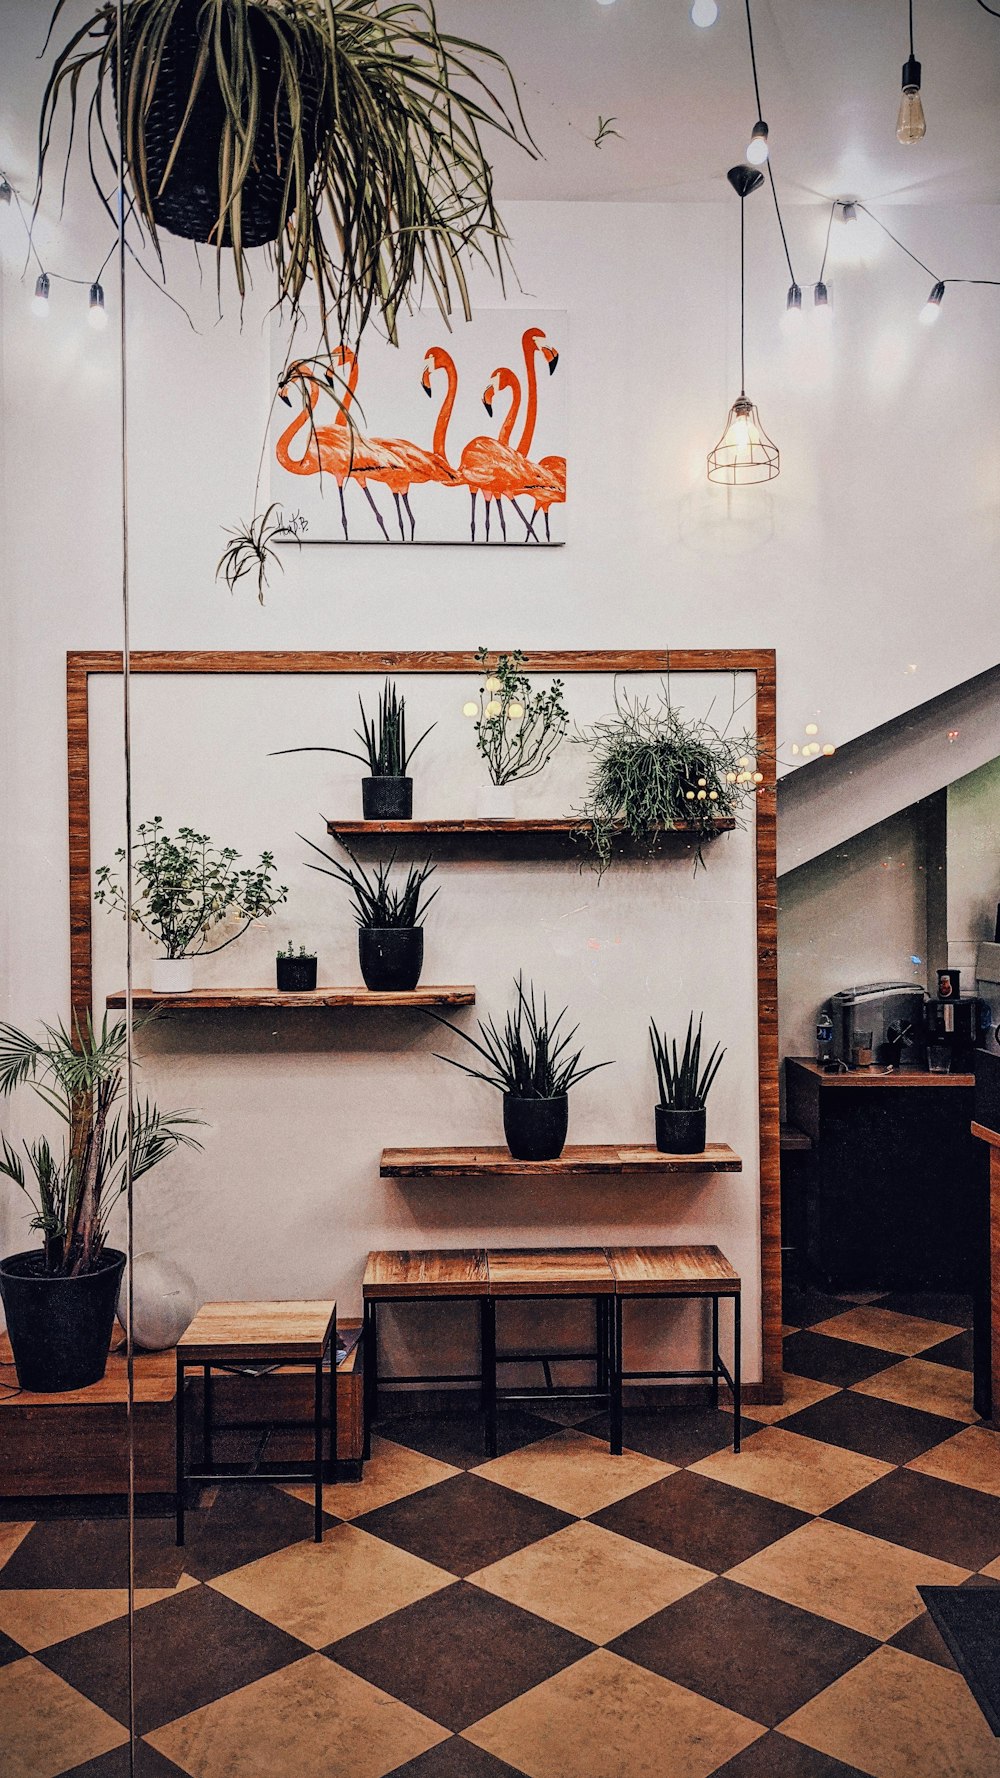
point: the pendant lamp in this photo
(744, 453)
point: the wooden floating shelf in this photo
(636, 1161)
(269, 999)
(564, 829)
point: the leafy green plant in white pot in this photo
(684, 1085)
(186, 892)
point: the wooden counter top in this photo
(879, 1077)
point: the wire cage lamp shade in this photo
(744, 453)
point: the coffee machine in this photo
(955, 1025)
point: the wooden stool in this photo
(225, 1336)
(675, 1272)
(530, 1274)
(450, 1274)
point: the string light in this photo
(97, 314)
(40, 300)
(757, 148)
(793, 308)
(470, 709)
(704, 13)
(821, 302)
(6, 191)
(932, 307)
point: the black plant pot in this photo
(680, 1132)
(60, 1328)
(387, 799)
(296, 975)
(391, 957)
(188, 205)
(535, 1128)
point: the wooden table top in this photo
(232, 1333)
(557, 1271)
(437, 1272)
(878, 1077)
(652, 1271)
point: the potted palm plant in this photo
(530, 1062)
(186, 890)
(59, 1298)
(390, 929)
(387, 793)
(684, 1088)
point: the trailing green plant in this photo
(292, 952)
(373, 132)
(517, 730)
(529, 1057)
(77, 1182)
(683, 1083)
(185, 888)
(251, 550)
(377, 900)
(655, 769)
(383, 738)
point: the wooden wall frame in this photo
(80, 665)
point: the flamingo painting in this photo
(492, 467)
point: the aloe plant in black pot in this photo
(530, 1062)
(684, 1088)
(390, 930)
(387, 794)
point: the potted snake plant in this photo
(390, 918)
(684, 1088)
(387, 791)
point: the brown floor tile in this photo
(11, 1534)
(189, 1650)
(799, 1392)
(10, 1650)
(957, 1352)
(605, 1718)
(464, 1523)
(937, 1305)
(679, 1436)
(798, 1472)
(802, 1305)
(458, 1655)
(590, 1581)
(148, 1764)
(971, 1458)
(248, 1520)
(836, 1573)
(700, 1521)
(319, 1592)
(840, 1362)
(922, 1637)
(93, 1553)
(455, 1758)
(390, 1473)
(458, 1438)
(310, 1720)
(574, 1472)
(773, 1756)
(896, 1716)
(46, 1725)
(886, 1330)
(37, 1618)
(871, 1427)
(954, 1524)
(933, 1388)
(746, 1650)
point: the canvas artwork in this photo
(457, 437)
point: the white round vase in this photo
(172, 975)
(165, 1299)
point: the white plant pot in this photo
(172, 975)
(497, 800)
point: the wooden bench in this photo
(415, 1277)
(673, 1273)
(532, 1274)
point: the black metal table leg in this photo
(371, 1375)
(332, 1458)
(318, 1453)
(601, 1306)
(179, 1453)
(615, 1416)
(206, 1418)
(488, 1322)
(715, 1351)
(737, 1369)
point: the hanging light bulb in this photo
(744, 453)
(757, 148)
(97, 314)
(40, 300)
(911, 123)
(6, 191)
(704, 13)
(932, 307)
(793, 309)
(821, 303)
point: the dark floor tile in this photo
(700, 1521)
(840, 1362)
(464, 1523)
(745, 1650)
(70, 1553)
(455, 1759)
(459, 1654)
(872, 1427)
(189, 1650)
(10, 1651)
(775, 1756)
(676, 1435)
(956, 1352)
(458, 1438)
(804, 1306)
(922, 1637)
(248, 1520)
(938, 1518)
(932, 1305)
(148, 1764)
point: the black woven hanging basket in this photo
(189, 203)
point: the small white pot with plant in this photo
(186, 892)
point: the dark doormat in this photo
(969, 1620)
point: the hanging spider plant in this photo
(251, 550)
(346, 134)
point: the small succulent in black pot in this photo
(390, 918)
(684, 1088)
(387, 793)
(296, 970)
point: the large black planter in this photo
(296, 975)
(189, 203)
(391, 957)
(680, 1132)
(535, 1128)
(387, 799)
(60, 1328)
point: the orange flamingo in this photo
(530, 344)
(489, 466)
(438, 359)
(331, 450)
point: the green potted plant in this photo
(59, 1298)
(517, 729)
(296, 970)
(390, 929)
(684, 1088)
(186, 890)
(655, 769)
(387, 793)
(530, 1062)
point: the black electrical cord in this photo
(760, 114)
(990, 9)
(826, 243)
(911, 30)
(898, 243)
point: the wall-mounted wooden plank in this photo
(573, 1163)
(246, 999)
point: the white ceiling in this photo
(683, 97)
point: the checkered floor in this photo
(556, 1612)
